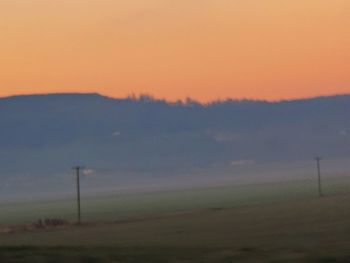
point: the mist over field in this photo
(138, 144)
(230, 181)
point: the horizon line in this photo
(184, 100)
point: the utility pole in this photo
(318, 161)
(77, 171)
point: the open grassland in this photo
(252, 223)
(113, 206)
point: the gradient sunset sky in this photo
(205, 49)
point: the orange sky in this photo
(206, 49)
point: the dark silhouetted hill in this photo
(49, 133)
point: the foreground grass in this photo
(309, 230)
(161, 255)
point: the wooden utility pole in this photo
(318, 161)
(77, 171)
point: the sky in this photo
(173, 49)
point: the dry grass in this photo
(310, 230)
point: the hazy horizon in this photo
(174, 131)
(183, 100)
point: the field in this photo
(275, 222)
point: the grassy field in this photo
(278, 222)
(116, 206)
